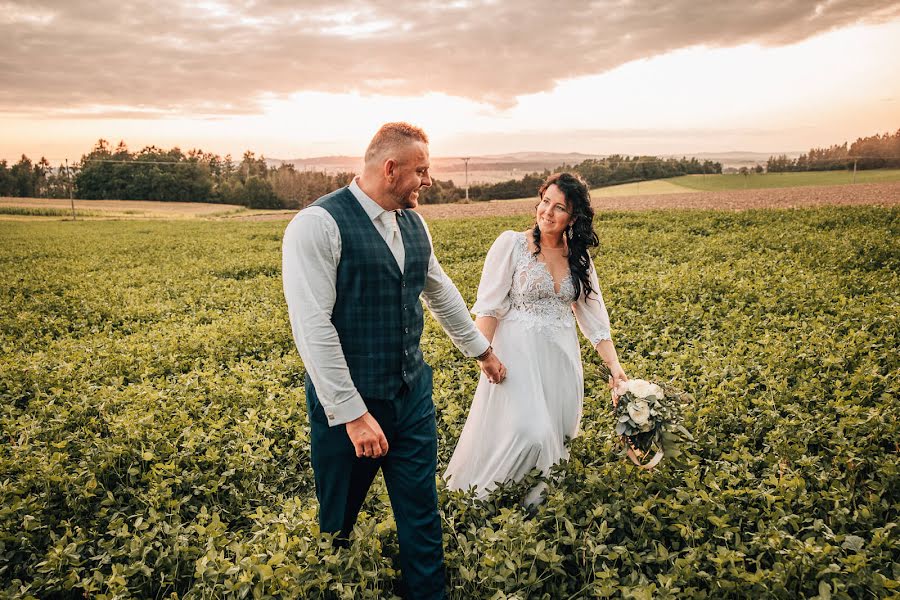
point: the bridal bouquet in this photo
(648, 420)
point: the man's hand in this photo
(367, 437)
(493, 368)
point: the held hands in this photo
(492, 367)
(367, 437)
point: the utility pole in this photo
(854, 170)
(466, 160)
(71, 197)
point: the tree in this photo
(258, 193)
(875, 152)
(252, 167)
(6, 181)
(288, 186)
(151, 174)
(23, 178)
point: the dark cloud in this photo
(219, 57)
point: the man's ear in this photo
(390, 168)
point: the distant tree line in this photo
(173, 176)
(196, 176)
(107, 173)
(597, 172)
(32, 180)
(875, 152)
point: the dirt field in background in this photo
(886, 194)
(873, 193)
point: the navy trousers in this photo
(409, 467)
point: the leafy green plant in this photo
(154, 439)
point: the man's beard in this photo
(410, 199)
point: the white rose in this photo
(639, 387)
(639, 411)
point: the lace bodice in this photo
(515, 285)
(533, 290)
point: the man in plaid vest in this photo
(355, 265)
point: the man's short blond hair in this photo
(392, 136)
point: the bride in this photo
(532, 284)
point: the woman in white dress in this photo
(534, 287)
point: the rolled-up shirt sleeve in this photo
(593, 320)
(447, 305)
(496, 278)
(310, 254)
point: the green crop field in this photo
(653, 187)
(154, 440)
(717, 183)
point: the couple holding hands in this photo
(356, 265)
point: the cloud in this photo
(149, 59)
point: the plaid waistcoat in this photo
(377, 312)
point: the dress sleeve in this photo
(593, 320)
(496, 277)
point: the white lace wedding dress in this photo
(523, 422)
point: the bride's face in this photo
(553, 213)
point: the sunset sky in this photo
(292, 79)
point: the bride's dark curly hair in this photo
(580, 235)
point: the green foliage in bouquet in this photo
(649, 417)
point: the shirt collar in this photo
(372, 208)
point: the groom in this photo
(355, 264)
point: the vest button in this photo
(406, 330)
(406, 353)
(404, 374)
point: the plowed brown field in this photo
(887, 194)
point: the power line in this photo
(143, 162)
(624, 159)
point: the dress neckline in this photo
(557, 287)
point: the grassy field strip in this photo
(718, 183)
(641, 188)
(61, 208)
(40, 211)
(636, 188)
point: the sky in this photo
(292, 79)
